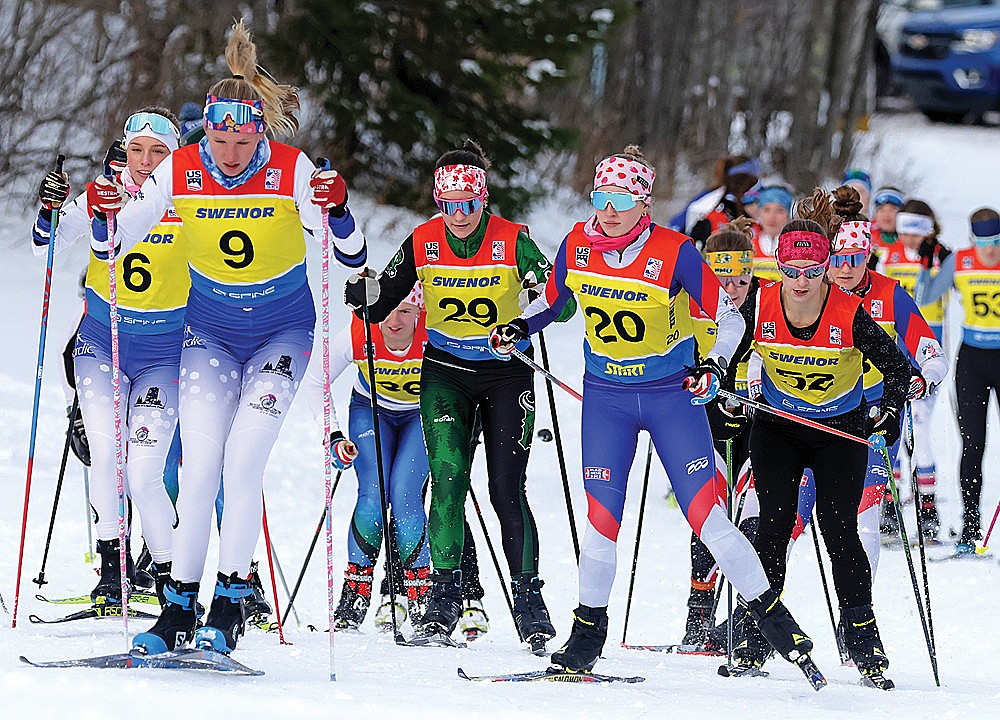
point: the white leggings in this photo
(231, 413)
(150, 419)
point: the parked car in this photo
(948, 60)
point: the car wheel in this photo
(951, 117)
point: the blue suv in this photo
(949, 60)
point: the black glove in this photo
(504, 337)
(929, 249)
(361, 290)
(54, 190)
(884, 424)
(78, 436)
(727, 419)
(115, 159)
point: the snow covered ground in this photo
(950, 167)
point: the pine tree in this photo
(402, 82)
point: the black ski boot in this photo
(109, 586)
(256, 604)
(889, 525)
(143, 578)
(862, 640)
(699, 618)
(972, 531)
(586, 640)
(176, 625)
(226, 620)
(930, 521)
(445, 605)
(530, 614)
(750, 648)
(355, 597)
(778, 626)
(161, 576)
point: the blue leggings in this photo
(404, 462)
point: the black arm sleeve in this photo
(395, 282)
(883, 353)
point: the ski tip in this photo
(461, 673)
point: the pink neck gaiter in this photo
(602, 243)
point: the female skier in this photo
(775, 210)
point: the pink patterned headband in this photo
(802, 245)
(627, 174)
(853, 236)
(463, 178)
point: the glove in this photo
(342, 450)
(361, 289)
(727, 419)
(54, 190)
(115, 159)
(929, 249)
(329, 191)
(78, 436)
(504, 337)
(104, 195)
(919, 388)
(883, 427)
(703, 380)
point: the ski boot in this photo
(226, 620)
(699, 617)
(530, 614)
(418, 590)
(889, 525)
(474, 623)
(930, 521)
(586, 640)
(256, 604)
(144, 579)
(355, 597)
(778, 626)
(971, 533)
(445, 605)
(864, 646)
(176, 625)
(109, 587)
(161, 576)
(383, 620)
(750, 648)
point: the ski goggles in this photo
(741, 281)
(855, 259)
(986, 233)
(812, 272)
(234, 115)
(468, 207)
(986, 241)
(620, 201)
(156, 123)
(888, 196)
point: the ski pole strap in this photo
(544, 373)
(793, 418)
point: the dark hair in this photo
(814, 214)
(160, 110)
(919, 207)
(847, 204)
(469, 154)
(983, 214)
(734, 236)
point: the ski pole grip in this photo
(323, 163)
(60, 159)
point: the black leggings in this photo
(779, 452)
(977, 374)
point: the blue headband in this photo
(985, 229)
(777, 195)
(750, 167)
(888, 196)
(858, 176)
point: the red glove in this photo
(329, 191)
(104, 195)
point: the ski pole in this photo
(88, 557)
(40, 580)
(327, 445)
(638, 536)
(309, 552)
(920, 534)
(545, 373)
(383, 497)
(284, 586)
(983, 546)
(116, 401)
(729, 585)
(493, 553)
(844, 657)
(913, 573)
(43, 328)
(270, 566)
(789, 416)
(559, 449)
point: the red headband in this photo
(802, 245)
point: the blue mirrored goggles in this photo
(987, 241)
(856, 259)
(239, 114)
(888, 197)
(450, 207)
(620, 201)
(812, 272)
(157, 123)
